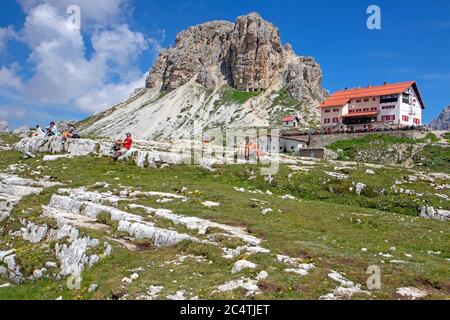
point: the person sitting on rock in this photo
(39, 132)
(123, 147)
(71, 133)
(52, 130)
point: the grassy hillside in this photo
(388, 149)
(325, 224)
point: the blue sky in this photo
(48, 72)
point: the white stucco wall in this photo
(400, 109)
(412, 111)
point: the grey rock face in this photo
(22, 132)
(13, 188)
(248, 55)
(34, 233)
(435, 214)
(74, 257)
(255, 53)
(196, 49)
(443, 121)
(9, 268)
(192, 85)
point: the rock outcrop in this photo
(22, 132)
(443, 121)
(255, 53)
(248, 55)
(218, 75)
(198, 50)
(13, 188)
(435, 214)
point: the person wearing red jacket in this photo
(123, 147)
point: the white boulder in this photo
(241, 265)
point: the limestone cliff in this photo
(219, 75)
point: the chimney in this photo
(385, 83)
(368, 86)
(346, 88)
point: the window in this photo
(374, 99)
(327, 120)
(374, 109)
(366, 100)
(388, 118)
(387, 107)
(389, 99)
(327, 110)
(417, 122)
(351, 111)
(358, 110)
(405, 98)
(366, 109)
(335, 120)
(405, 118)
(335, 110)
(358, 101)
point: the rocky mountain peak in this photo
(247, 55)
(196, 51)
(218, 74)
(443, 121)
(255, 53)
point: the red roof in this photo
(361, 114)
(289, 118)
(341, 98)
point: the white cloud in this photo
(9, 78)
(10, 112)
(5, 35)
(120, 49)
(102, 12)
(73, 70)
(107, 96)
(61, 70)
(65, 75)
(44, 24)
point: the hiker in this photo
(255, 152)
(39, 132)
(247, 149)
(52, 130)
(121, 148)
(72, 133)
